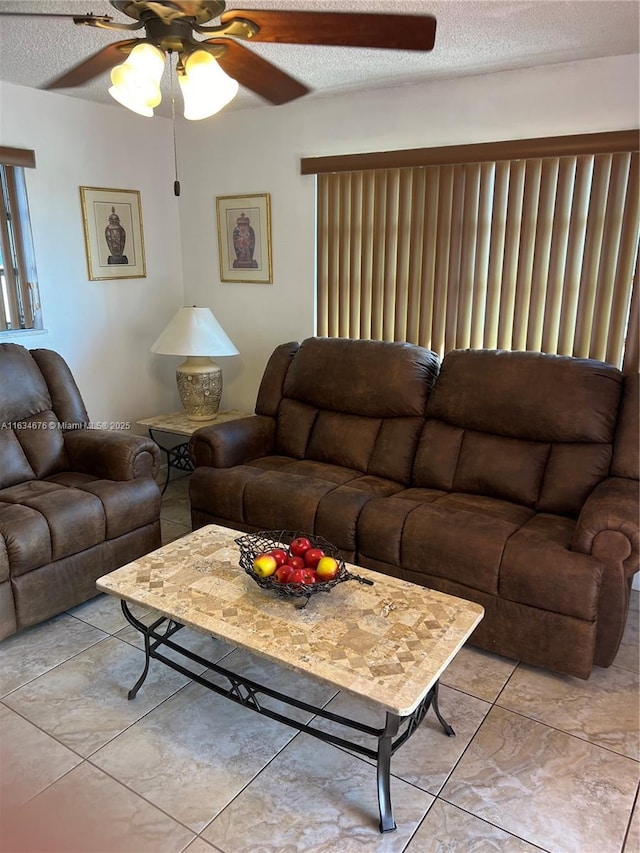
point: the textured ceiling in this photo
(473, 36)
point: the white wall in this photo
(253, 151)
(103, 328)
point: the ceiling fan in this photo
(169, 27)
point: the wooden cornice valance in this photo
(512, 149)
(18, 157)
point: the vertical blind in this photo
(534, 253)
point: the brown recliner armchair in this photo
(75, 502)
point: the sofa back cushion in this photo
(66, 400)
(271, 386)
(527, 427)
(42, 442)
(23, 391)
(31, 440)
(376, 379)
(358, 404)
(14, 465)
(342, 439)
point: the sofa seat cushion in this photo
(226, 494)
(305, 495)
(325, 471)
(455, 536)
(127, 504)
(279, 500)
(220, 491)
(491, 545)
(49, 522)
(289, 499)
(26, 537)
(486, 507)
(461, 538)
(339, 510)
(270, 463)
(71, 479)
(540, 569)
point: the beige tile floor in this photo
(541, 762)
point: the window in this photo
(19, 297)
(525, 245)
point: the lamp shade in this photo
(194, 331)
(206, 89)
(136, 82)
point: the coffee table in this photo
(388, 642)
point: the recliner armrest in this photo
(233, 443)
(613, 505)
(111, 455)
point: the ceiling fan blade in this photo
(255, 73)
(346, 29)
(77, 19)
(101, 61)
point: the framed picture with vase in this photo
(113, 236)
(244, 238)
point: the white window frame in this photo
(19, 295)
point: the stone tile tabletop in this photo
(388, 642)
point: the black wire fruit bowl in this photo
(252, 545)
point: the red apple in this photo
(281, 574)
(296, 577)
(327, 569)
(299, 546)
(299, 576)
(280, 556)
(312, 557)
(264, 565)
(296, 562)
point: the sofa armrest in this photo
(111, 455)
(233, 443)
(614, 506)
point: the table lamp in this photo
(195, 333)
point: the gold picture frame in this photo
(244, 238)
(113, 236)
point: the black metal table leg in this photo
(385, 744)
(434, 702)
(146, 633)
(132, 693)
(177, 457)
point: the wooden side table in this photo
(177, 423)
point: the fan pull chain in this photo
(176, 183)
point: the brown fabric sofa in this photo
(75, 502)
(510, 480)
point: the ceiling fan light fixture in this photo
(136, 81)
(206, 89)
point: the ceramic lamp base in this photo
(200, 387)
